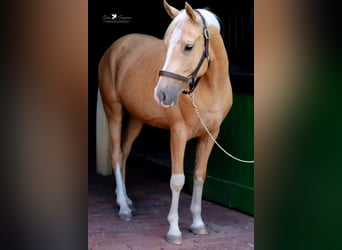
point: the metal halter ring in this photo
(206, 33)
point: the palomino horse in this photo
(153, 79)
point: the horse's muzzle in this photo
(167, 94)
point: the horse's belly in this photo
(139, 102)
(150, 114)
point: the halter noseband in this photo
(191, 77)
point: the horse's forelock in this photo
(178, 19)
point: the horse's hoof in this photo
(174, 239)
(199, 230)
(125, 216)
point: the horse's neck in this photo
(217, 73)
(215, 94)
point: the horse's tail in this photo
(103, 159)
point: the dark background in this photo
(150, 17)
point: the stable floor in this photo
(148, 187)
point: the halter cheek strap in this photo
(193, 83)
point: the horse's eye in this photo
(188, 47)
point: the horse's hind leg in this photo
(114, 115)
(204, 147)
(131, 132)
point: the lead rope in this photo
(191, 96)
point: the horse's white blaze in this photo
(195, 207)
(175, 37)
(176, 184)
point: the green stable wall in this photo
(229, 182)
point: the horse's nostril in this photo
(163, 96)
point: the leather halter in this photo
(191, 77)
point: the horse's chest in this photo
(212, 121)
(197, 122)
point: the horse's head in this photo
(187, 46)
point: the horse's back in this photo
(128, 72)
(132, 50)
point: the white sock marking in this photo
(120, 192)
(176, 184)
(196, 205)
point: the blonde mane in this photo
(210, 18)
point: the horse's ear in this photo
(190, 12)
(173, 12)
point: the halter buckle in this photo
(206, 33)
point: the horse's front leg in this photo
(204, 147)
(178, 142)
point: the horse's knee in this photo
(198, 181)
(200, 174)
(177, 182)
